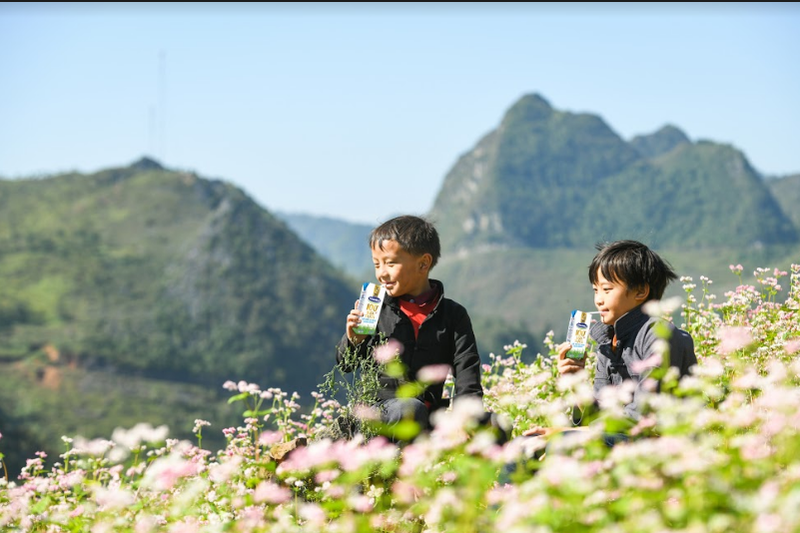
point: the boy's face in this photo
(613, 298)
(400, 272)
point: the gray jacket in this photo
(635, 340)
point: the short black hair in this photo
(634, 264)
(415, 235)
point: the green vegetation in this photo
(39, 402)
(715, 451)
(681, 198)
(159, 276)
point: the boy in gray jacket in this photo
(625, 275)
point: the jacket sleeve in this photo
(681, 349)
(466, 359)
(681, 355)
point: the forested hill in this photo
(787, 191)
(149, 271)
(546, 178)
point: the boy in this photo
(625, 275)
(430, 329)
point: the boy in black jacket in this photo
(427, 328)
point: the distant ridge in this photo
(551, 179)
(659, 143)
(146, 163)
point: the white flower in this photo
(659, 308)
(434, 373)
(140, 433)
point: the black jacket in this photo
(445, 337)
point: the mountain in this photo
(786, 190)
(680, 199)
(520, 213)
(147, 269)
(171, 282)
(548, 179)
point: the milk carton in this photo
(370, 304)
(578, 333)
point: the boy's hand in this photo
(568, 365)
(352, 321)
(540, 431)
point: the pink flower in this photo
(199, 424)
(268, 438)
(110, 499)
(360, 503)
(312, 513)
(252, 388)
(654, 361)
(269, 492)
(406, 492)
(414, 456)
(792, 346)
(166, 471)
(366, 412)
(188, 524)
(387, 352)
(433, 373)
(733, 338)
(326, 475)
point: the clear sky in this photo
(357, 111)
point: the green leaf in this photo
(405, 430)
(410, 390)
(40, 506)
(256, 414)
(238, 397)
(661, 330)
(618, 425)
(395, 369)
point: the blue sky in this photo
(324, 108)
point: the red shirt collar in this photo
(424, 298)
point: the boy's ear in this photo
(425, 261)
(641, 293)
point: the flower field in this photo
(717, 451)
